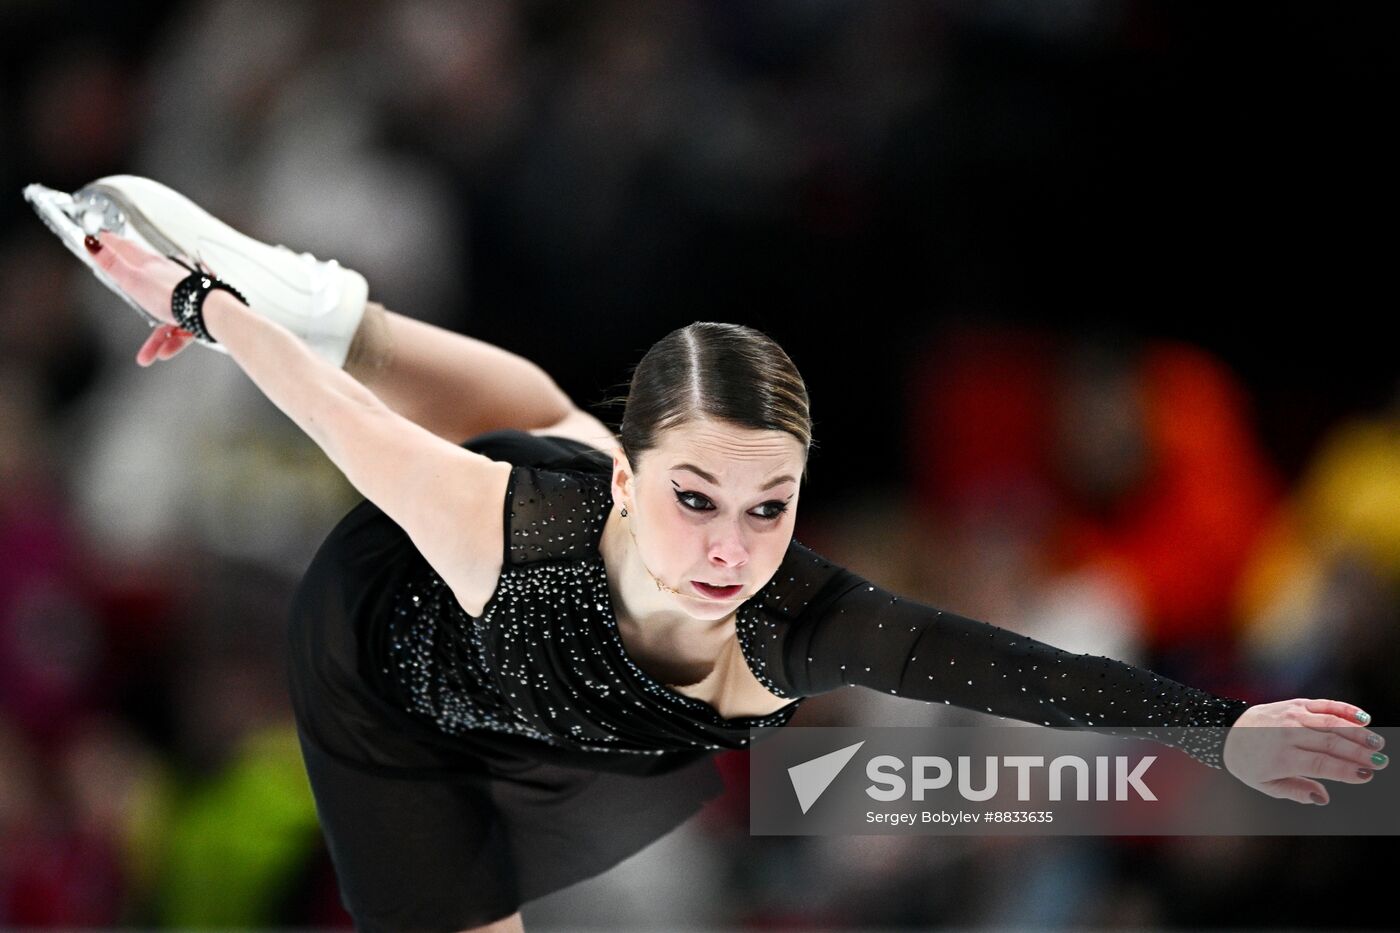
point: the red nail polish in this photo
(92, 243)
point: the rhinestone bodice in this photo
(545, 659)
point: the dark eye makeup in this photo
(685, 498)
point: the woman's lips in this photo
(717, 592)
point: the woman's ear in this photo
(622, 478)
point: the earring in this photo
(624, 511)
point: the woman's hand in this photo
(165, 341)
(150, 279)
(1283, 762)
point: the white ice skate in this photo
(321, 302)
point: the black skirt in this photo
(429, 831)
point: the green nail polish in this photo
(1363, 717)
(1379, 758)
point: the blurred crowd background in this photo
(1089, 297)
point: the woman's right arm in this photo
(448, 499)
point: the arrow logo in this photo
(811, 778)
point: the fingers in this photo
(177, 341)
(1299, 789)
(146, 278)
(164, 342)
(118, 249)
(1331, 757)
(105, 257)
(1365, 738)
(147, 354)
(1348, 711)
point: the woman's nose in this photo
(730, 550)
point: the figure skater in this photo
(512, 664)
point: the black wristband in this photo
(187, 301)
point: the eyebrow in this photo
(777, 480)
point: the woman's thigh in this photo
(412, 853)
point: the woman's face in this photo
(713, 503)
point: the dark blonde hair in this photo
(725, 372)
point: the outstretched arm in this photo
(873, 638)
(867, 636)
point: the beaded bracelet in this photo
(187, 301)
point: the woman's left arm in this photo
(870, 637)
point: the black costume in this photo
(464, 765)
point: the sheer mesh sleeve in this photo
(851, 632)
(556, 497)
(553, 514)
